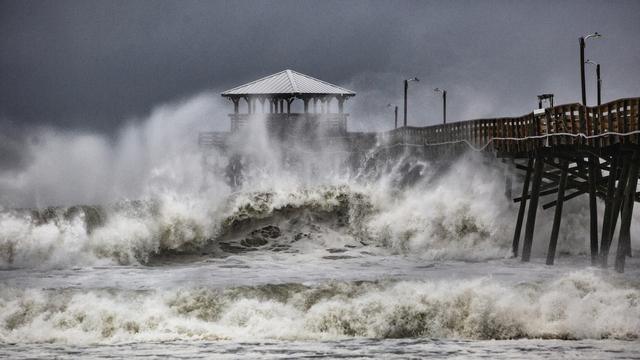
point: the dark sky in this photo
(95, 64)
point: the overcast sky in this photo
(94, 64)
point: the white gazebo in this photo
(283, 88)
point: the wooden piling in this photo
(624, 240)
(615, 208)
(523, 204)
(594, 168)
(631, 199)
(608, 208)
(533, 207)
(557, 217)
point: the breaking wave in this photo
(580, 305)
(430, 219)
(436, 224)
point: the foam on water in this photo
(579, 305)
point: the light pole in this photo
(406, 87)
(444, 103)
(583, 40)
(395, 111)
(598, 80)
(593, 163)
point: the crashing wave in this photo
(136, 232)
(139, 232)
(580, 305)
(461, 214)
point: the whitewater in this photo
(136, 245)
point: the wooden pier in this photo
(565, 151)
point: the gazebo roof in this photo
(288, 82)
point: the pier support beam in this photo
(593, 207)
(557, 218)
(523, 205)
(533, 207)
(624, 240)
(615, 207)
(608, 210)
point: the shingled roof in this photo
(288, 82)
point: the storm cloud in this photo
(93, 65)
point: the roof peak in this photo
(288, 81)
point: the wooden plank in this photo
(572, 122)
(623, 118)
(610, 127)
(553, 203)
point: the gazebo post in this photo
(236, 105)
(340, 104)
(289, 101)
(246, 98)
(306, 104)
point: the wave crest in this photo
(580, 305)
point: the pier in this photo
(564, 151)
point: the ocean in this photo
(304, 259)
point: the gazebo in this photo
(279, 91)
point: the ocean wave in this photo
(136, 232)
(580, 305)
(460, 214)
(125, 233)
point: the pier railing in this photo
(570, 124)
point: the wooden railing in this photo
(611, 123)
(570, 124)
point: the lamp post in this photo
(598, 80)
(406, 87)
(583, 40)
(593, 162)
(395, 111)
(444, 103)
